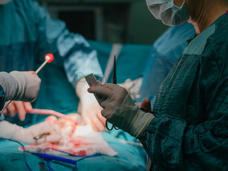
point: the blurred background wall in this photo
(116, 21)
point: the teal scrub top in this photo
(190, 128)
(164, 54)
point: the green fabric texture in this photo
(189, 131)
(130, 118)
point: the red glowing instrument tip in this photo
(49, 57)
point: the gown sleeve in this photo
(173, 143)
(72, 49)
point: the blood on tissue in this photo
(52, 119)
(82, 152)
(64, 124)
(77, 142)
(77, 138)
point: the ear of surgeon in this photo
(170, 12)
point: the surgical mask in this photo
(2, 2)
(168, 12)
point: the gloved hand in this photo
(36, 134)
(28, 85)
(120, 109)
(20, 85)
(18, 107)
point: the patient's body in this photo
(26, 135)
(76, 138)
(68, 134)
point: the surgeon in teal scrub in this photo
(27, 33)
(188, 126)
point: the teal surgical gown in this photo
(190, 128)
(164, 54)
(27, 33)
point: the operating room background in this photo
(115, 21)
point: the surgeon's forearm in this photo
(81, 88)
(81, 91)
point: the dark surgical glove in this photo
(120, 110)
